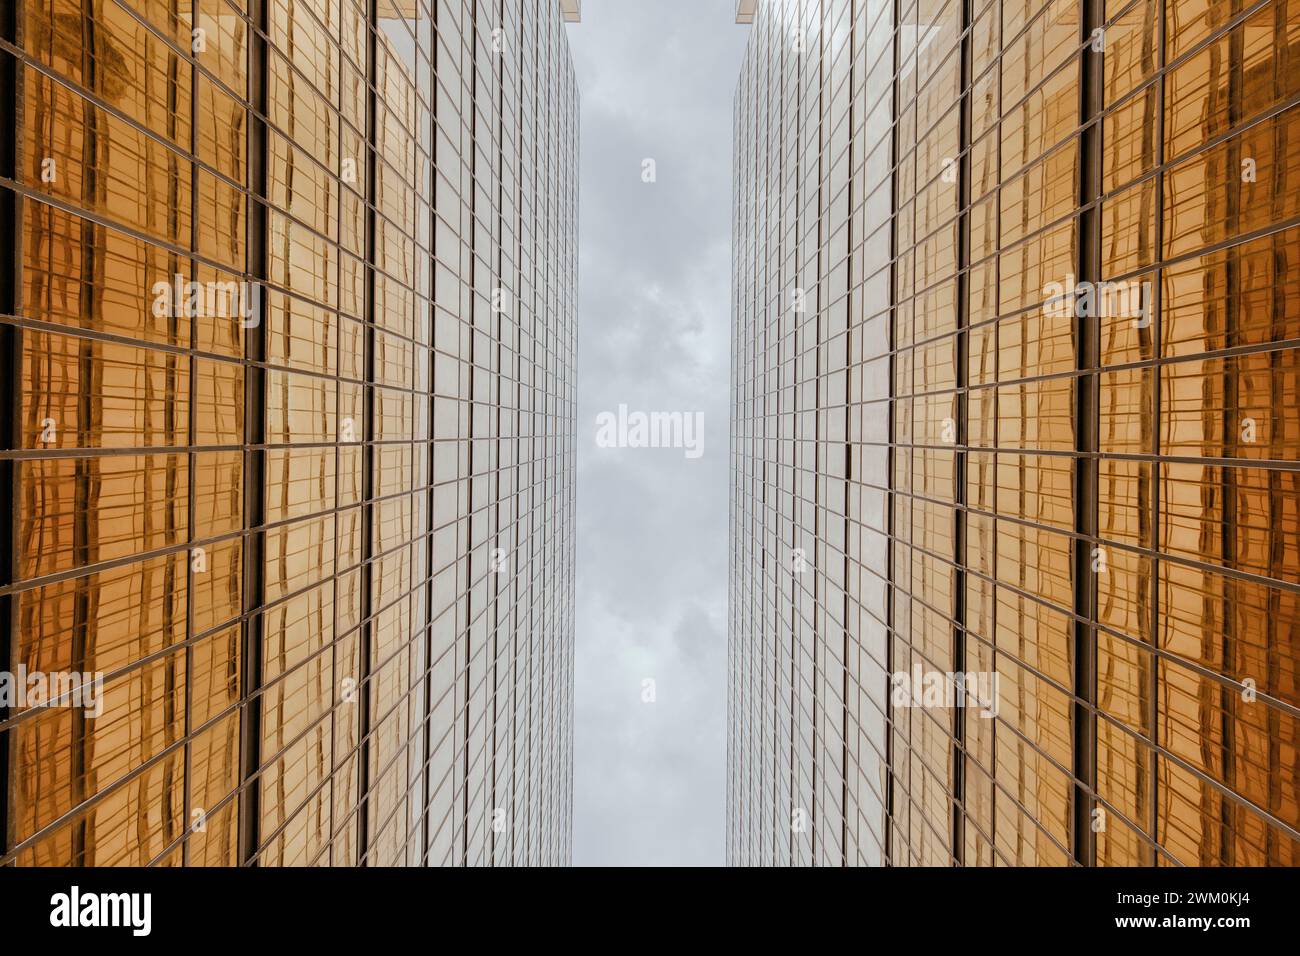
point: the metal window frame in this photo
(11, 220)
(254, 459)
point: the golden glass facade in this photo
(289, 326)
(937, 467)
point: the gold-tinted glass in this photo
(234, 305)
(1080, 474)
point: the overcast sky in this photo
(657, 79)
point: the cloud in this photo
(657, 81)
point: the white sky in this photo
(656, 80)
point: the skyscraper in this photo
(1015, 567)
(288, 329)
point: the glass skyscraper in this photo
(1016, 404)
(287, 329)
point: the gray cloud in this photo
(657, 79)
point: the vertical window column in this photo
(254, 444)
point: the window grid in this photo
(1121, 691)
(276, 541)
